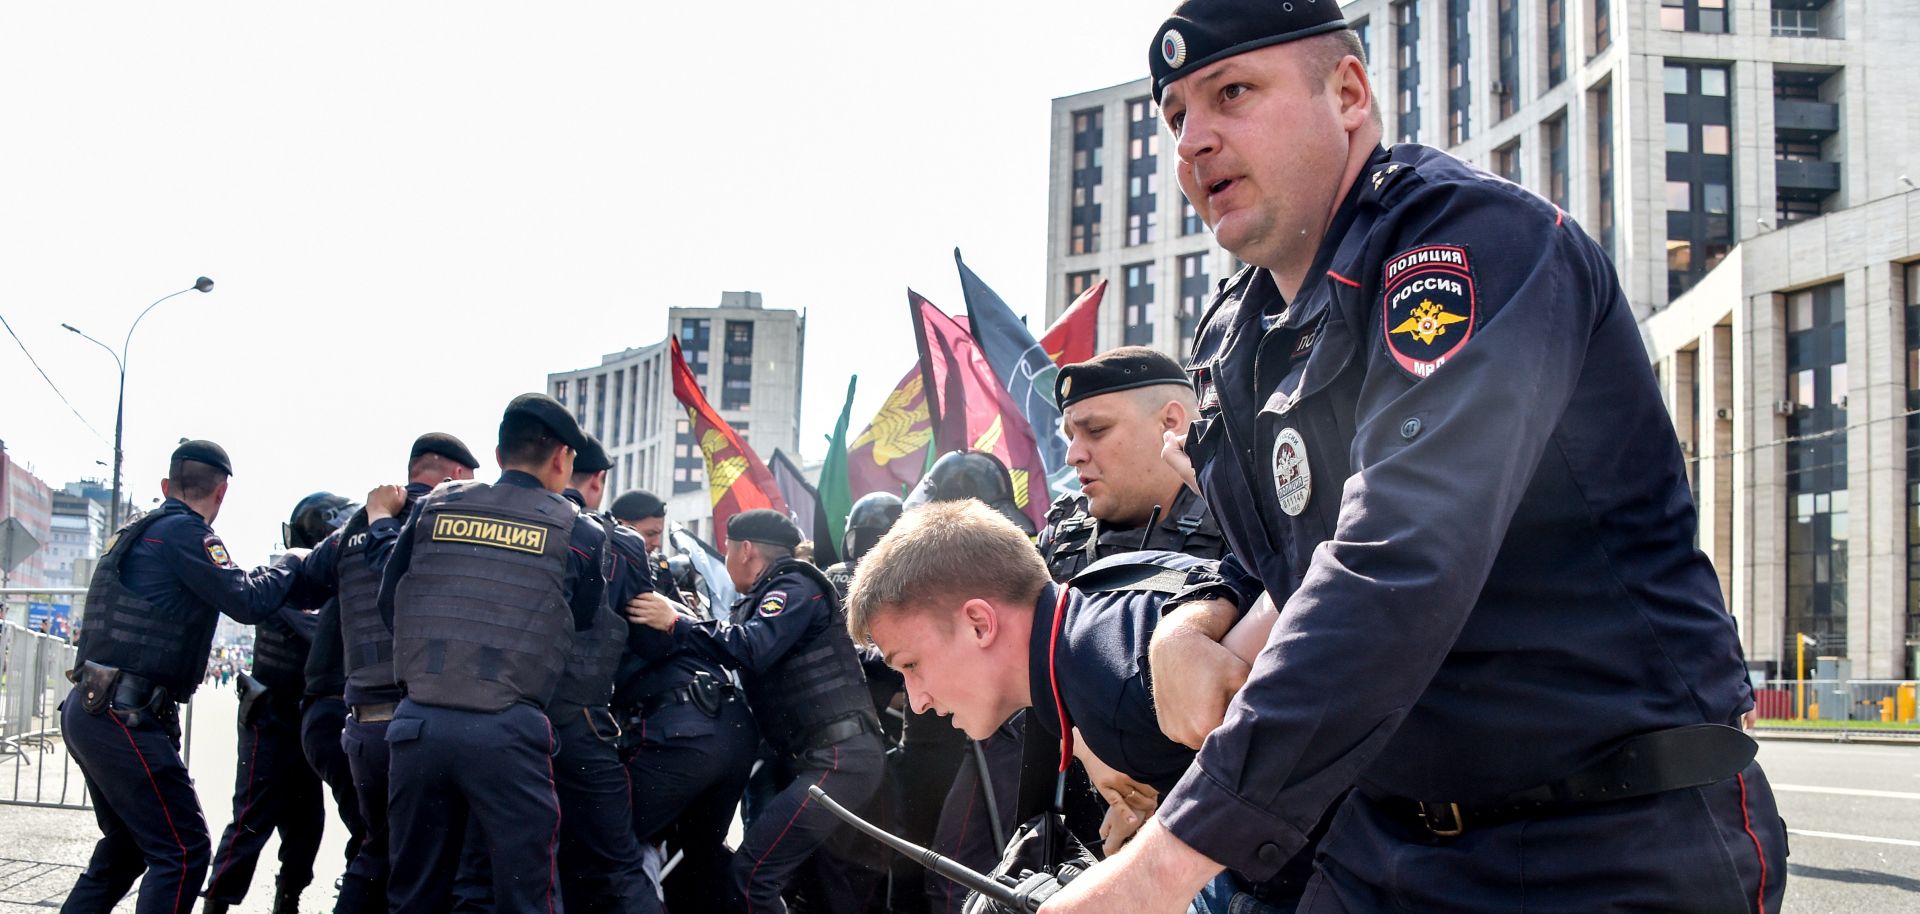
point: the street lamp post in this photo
(201, 284)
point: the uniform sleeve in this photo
(383, 537)
(302, 624)
(200, 559)
(392, 568)
(319, 579)
(326, 648)
(767, 635)
(586, 576)
(1441, 465)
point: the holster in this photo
(252, 698)
(97, 684)
(705, 693)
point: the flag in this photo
(1024, 371)
(892, 452)
(712, 568)
(736, 479)
(805, 507)
(1074, 337)
(969, 409)
(835, 498)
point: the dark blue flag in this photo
(1024, 369)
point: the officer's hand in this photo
(385, 501)
(1173, 450)
(1194, 676)
(1156, 873)
(653, 611)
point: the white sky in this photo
(415, 211)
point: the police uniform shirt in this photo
(780, 612)
(326, 671)
(182, 567)
(1451, 460)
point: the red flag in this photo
(736, 479)
(892, 450)
(969, 408)
(1073, 337)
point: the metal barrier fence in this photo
(1842, 708)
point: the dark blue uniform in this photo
(1451, 465)
(436, 788)
(178, 571)
(321, 722)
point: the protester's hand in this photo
(1129, 802)
(1173, 450)
(1156, 873)
(653, 611)
(1194, 676)
(385, 501)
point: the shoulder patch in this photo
(1428, 308)
(773, 603)
(217, 551)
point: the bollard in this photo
(1886, 709)
(1904, 695)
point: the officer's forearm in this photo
(1209, 619)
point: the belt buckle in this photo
(1442, 819)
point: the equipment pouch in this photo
(705, 693)
(252, 696)
(97, 684)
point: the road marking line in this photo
(1847, 792)
(1840, 837)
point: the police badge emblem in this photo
(1292, 476)
(773, 603)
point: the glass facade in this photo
(1699, 119)
(1556, 43)
(1137, 329)
(1693, 15)
(1555, 130)
(1601, 104)
(1406, 28)
(1143, 171)
(1196, 292)
(1089, 144)
(1913, 470)
(1506, 92)
(1817, 469)
(1459, 84)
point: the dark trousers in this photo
(688, 770)
(367, 758)
(924, 769)
(273, 790)
(320, 728)
(601, 869)
(1719, 848)
(965, 833)
(791, 827)
(150, 820)
(495, 769)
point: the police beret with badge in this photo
(548, 412)
(638, 504)
(1125, 368)
(1203, 32)
(592, 458)
(201, 450)
(444, 445)
(764, 525)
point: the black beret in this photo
(446, 446)
(548, 412)
(764, 525)
(637, 505)
(206, 452)
(1201, 32)
(592, 458)
(1124, 368)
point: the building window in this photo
(560, 392)
(599, 406)
(1603, 26)
(1089, 151)
(1364, 29)
(696, 334)
(1695, 15)
(1506, 161)
(1190, 223)
(1143, 171)
(1601, 102)
(736, 391)
(1913, 470)
(1459, 85)
(619, 402)
(1079, 283)
(1196, 291)
(1556, 42)
(1406, 23)
(1138, 325)
(1817, 468)
(1805, 144)
(1797, 18)
(1506, 90)
(1555, 129)
(1699, 116)
(689, 467)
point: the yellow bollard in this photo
(1886, 709)
(1904, 703)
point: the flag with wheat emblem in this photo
(736, 479)
(891, 452)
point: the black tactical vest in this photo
(481, 618)
(279, 657)
(1075, 539)
(126, 631)
(364, 636)
(818, 682)
(587, 678)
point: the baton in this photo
(968, 878)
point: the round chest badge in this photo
(1292, 477)
(1173, 49)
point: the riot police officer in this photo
(272, 790)
(486, 588)
(322, 718)
(804, 685)
(867, 521)
(1493, 627)
(348, 564)
(151, 610)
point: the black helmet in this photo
(314, 517)
(971, 474)
(872, 516)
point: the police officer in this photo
(272, 790)
(322, 718)
(1493, 625)
(690, 739)
(486, 588)
(152, 606)
(1115, 408)
(804, 684)
(348, 564)
(867, 521)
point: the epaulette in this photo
(1391, 181)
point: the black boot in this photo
(286, 900)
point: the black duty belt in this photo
(678, 695)
(138, 693)
(1644, 765)
(374, 713)
(840, 730)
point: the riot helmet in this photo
(971, 474)
(314, 517)
(872, 516)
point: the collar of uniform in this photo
(417, 489)
(176, 506)
(521, 478)
(1039, 658)
(573, 495)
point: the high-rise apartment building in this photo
(1748, 164)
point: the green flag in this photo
(835, 493)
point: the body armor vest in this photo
(364, 636)
(279, 657)
(587, 679)
(1076, 539)
(481, 618)
(126, 631)
(818, 682)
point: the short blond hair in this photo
(941, 554)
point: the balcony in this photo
(1805, 179)
(1806, 118)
